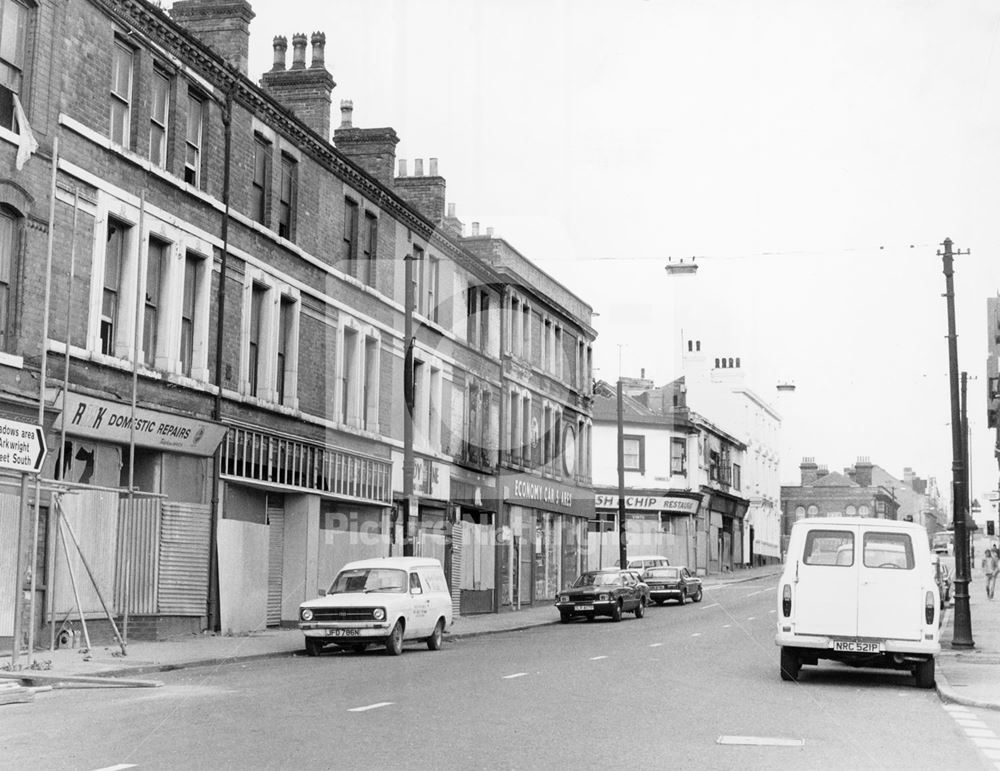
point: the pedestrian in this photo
(991, 566)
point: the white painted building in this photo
(716, 387)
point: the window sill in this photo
(10, 360)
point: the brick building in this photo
(224, 346)
(824, 493)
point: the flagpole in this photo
(61, 454)
(43, 373)
(140, 280)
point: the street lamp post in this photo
(408, 404)
(962, 634)
(622, 539)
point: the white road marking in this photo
(956, 708)
(761, 741)
(984, 733)
(970, 721)
(119, 767)
(761, 591)
(371, 706)
(655, 645)
(511, 677)
(772, 611)
(993, 744)
(597, 658)
(713, 605)
(726, 626)
(751, 618)
(696, 634)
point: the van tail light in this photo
(786, 601)
(929, 607)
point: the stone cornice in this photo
(157, 26)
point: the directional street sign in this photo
(22, 446)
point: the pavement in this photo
(143, 659)
(969, 676)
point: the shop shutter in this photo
(275, 559)
(456, 569)
(138, 550)
(184, 536)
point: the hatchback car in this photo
(608, 592)
(673, 583)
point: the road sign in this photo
(22, 446)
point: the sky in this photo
(811, 154)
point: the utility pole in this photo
(408, 400)
(622, 540)
(962, 633)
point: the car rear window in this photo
(829, 547)
(888, 550)
(663, 573)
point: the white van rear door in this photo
(826, 581)
(890, 592)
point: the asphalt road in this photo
(694, 686)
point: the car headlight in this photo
(378, 614)
(307, 615)
(563, 598)
(603, 598)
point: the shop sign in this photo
(648, 503)
(113, 422)
(425, 475)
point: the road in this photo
(694, 686)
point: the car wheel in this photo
(640, 609)
(394, 643)
(790, 664)
(697, 595)
(434, 641)
(313, 646)
(616, 612)
(924, 673)
(565, 618)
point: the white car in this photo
(860, 591)
(384, 601)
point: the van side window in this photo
(829, 547)
(415, 586)
(435, 581)
(888, 550)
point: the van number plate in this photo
(857, 646)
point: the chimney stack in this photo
(304, 90)
(452, 222)
(475, 228)
(808, 470)
(424, 193)
(374, 150)
(222, 25)
(863, 471)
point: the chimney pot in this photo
(418, 167)
(434, 167)
(298, 51)
(280, 48)
(475, 228)
(451, 211)
(402, 167)
(489, 232)
(318, 48)
(346, 113)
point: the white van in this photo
(643, 562)
(383, 601)
(860, 591)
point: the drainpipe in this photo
(498, 547)
(212, 611)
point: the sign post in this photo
(22, 448)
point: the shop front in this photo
(542, 538)
(474, 497)
(148, 550)
(655, 523)
(726, 515)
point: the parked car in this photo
(643, 587)
(643, 562)
(385, 601)
(673, 583)
(859, 591)
(608, 592)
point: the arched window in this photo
(10, 239)
(716, 363)
(730, 363)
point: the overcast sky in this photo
(813, 155)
